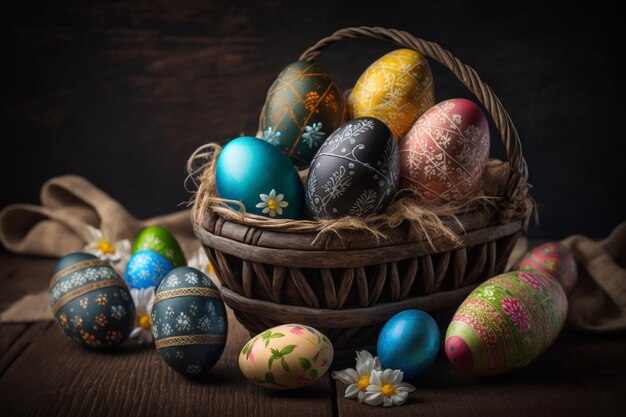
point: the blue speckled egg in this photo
(91, 302)
(409, 341)
(146, 269)
(261, 177)
(189, 321)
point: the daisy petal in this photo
(279, 210)
(266, 210)
(283, 204)
(280, 197)
(352, 391)
(264, 197)
(387, 402)
(405, 387)
(135, 332)
(347, 376)
(273, 194)
(399, 399)
(375, 378)
(373, 399)
(261, 205)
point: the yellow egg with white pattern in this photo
(396, 89)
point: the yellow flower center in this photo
(273, 204)
(144, 322)
(388, 390)
(106, 247)
(364, 382)
(210, 267)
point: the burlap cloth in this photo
(596, 304)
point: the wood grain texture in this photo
(9, 333)
(575, 377)
(56, 377)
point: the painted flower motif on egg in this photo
(396, 89)
(443, 155)
(303, 106)
(91, 302)
(189, 321)
(286, 357)
(355, 172)
(146, 269)
(505, 323)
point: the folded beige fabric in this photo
(597, 302)
(68, 204)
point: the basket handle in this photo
(516, 185)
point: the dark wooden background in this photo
(122, 93)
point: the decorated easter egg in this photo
(261, 177)
(409, 341)
(189, 321)
(302, 108)
(443, 155)
(91, 302)
(505, 323)
(355, 172)
(553, 259)
(145, 269)
(158, 239)
(286, 357)
(397, 89)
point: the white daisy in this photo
(116, 253)
(358, 379)
(144, 300)
(386, 388)
(272, 203)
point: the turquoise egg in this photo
(189, 321)
(261, 177)
(303, 107)
(146, 269)
(91, 302)
(409, 341)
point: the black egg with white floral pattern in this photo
(355, 172)
(91, 302)
(189, 321)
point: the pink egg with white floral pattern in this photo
(505, 323)
(444, 154)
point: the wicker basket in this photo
(275, 272)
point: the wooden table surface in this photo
(42, 373)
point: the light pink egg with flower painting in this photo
(443, 155)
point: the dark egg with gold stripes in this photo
(189, 321)
(91, 302)
(302, 108)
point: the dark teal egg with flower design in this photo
(261, 177)
(302, 108)
(91, 302)
(189, 321)
(145, 269)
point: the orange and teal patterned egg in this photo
(260, 177)
(91, 302)
(505, 323)
(302, 108)
(553, 259)
(189, 321)
(397, 89)
(158, 239)
(286, 357)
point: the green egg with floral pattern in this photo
(91, 302)
(189, 321)
(158, 239)
(303, 106)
